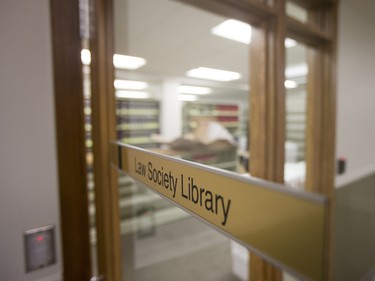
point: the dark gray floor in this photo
(184, 250)
(355, 231)
(210, 264)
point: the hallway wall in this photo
(28, 172)
(356, 91)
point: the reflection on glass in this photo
(296, 100)
(181, 90)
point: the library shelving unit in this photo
(226, 114)
(229, 116)
(137, 120)
(141, 211)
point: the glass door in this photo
(196, 100)
(181, 86)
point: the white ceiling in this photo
(175, 38)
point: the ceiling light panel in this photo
(240, 32)
(289, 43)
(128, 62)
(213, 74)
(85, 56)
(130, 85)
(195, 90)
(119, 61)
(234, 30)
(187, 97)
(132, 94)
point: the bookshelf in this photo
(137, 120)
(227, 114)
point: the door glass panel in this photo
(296, 115)
(163, 242)
(182, 81)
(186, 95)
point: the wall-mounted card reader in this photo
(39, 247)
(341, 165)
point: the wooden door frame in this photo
(72, 162)
(267, 116)
(104, 132)
(70, 133)
(268, 109)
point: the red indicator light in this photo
(39, 238)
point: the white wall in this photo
(356, 89)
(28, 172)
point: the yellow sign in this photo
(285, 227)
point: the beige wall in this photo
(356, 91)
(28, 172)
